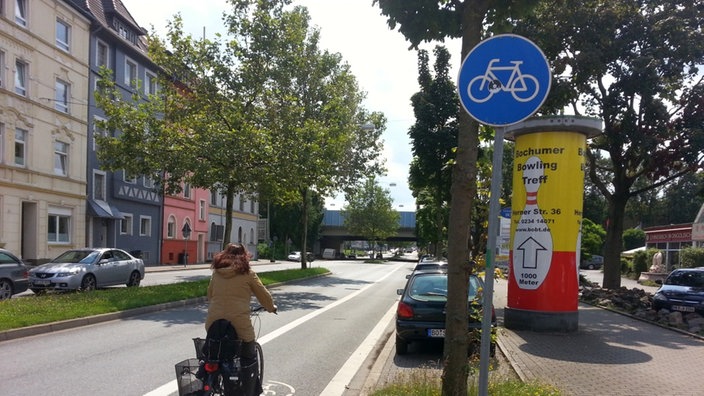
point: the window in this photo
(61, 98)
(251, 236)
(99, 190)
(126, 225)
(171, 228)
(186, 190)
(20, 147)
(128, 179)
(101, 54)
(59, 225)
(130, 73)
(63, 34)
(201, 210)
(213, 198)
(241, 207)
(148, 182)
(150, 85)
(145, 226)
(2, 143)
(97, 131)
(2, 68)
(20, 78)
(61, 158)
(21, 12)
(251, 206)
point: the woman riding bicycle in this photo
(229, 293)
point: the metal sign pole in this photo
(494, 208)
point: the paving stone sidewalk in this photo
(610, 355)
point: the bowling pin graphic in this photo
(532, 243)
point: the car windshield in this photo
(433, 287)
(78, 256)
(686, 278)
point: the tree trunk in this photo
(463, 190)
(229, 203)
(304, 221)
(614, 243)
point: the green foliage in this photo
(427, 382)
(652, 68)
(369, 213)
(633, 238)
(692, 257)
(592, 238)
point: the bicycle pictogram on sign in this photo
(523, 87)
(503, 80)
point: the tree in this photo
(633, 238)
(592, 238)
(261, 110)
(369, 213)
(433, 139)
(422, 20)
(634, 65)
(320, 142)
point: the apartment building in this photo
(43, 126)
(54, 195)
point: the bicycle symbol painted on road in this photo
(523, 87)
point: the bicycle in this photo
(219, 368)
(523, 87)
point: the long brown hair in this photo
(234, 255)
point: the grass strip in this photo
(52, 307)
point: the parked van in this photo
(329, 254)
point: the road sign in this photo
(503, 80)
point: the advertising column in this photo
(546, 218)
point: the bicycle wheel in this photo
(260, 361)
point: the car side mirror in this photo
(399, 291)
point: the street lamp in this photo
(186, 230)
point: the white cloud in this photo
(380, 59)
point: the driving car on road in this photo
(13, 275)
(683, 290)
(428, 265)
(296, 256)
(420, 315)
(87, 269)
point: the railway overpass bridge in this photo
(334, 234)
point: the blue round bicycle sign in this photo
(503, 80)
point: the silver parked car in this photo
(87, 269)
(13, 275)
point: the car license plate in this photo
(682, 308)
(41, 282)
(436, 333)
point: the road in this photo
(325, 330)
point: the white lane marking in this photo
(343, 377)
(171, 387)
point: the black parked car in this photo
(683, 290)
(14, 275)
(420, 315)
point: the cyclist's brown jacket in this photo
(229, 295)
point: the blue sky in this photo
(380, 59)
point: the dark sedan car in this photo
(13, 275)
(420, 315)
(87, 269)
(683, 290)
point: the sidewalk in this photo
(611, 354)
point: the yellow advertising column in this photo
(546, 218)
